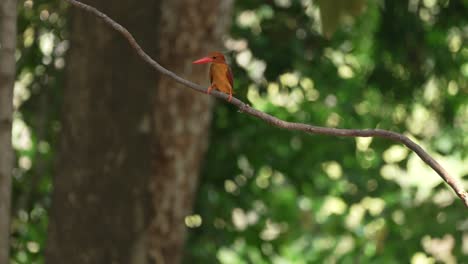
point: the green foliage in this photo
(274, 196)
(332, 13)
(40, 61)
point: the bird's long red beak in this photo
(203, 60)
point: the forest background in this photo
(102, 142)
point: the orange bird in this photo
(220, 73)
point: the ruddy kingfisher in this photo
(220, 73)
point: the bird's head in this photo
(213, 57)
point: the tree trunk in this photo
(101, 200)
(99, 214)
(7, 80)
(188, 30)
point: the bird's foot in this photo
(208, 91)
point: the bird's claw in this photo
(208, 91)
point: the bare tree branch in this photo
(452, 182)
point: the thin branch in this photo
(452, 182)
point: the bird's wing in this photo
(229, 76)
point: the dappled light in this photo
(260, 194)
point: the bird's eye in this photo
(214, 57)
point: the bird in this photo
(220, 73)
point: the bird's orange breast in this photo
(219, 77)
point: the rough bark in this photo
(7, 79)
(188, 29)
(101, 200)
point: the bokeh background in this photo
(268, 195)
